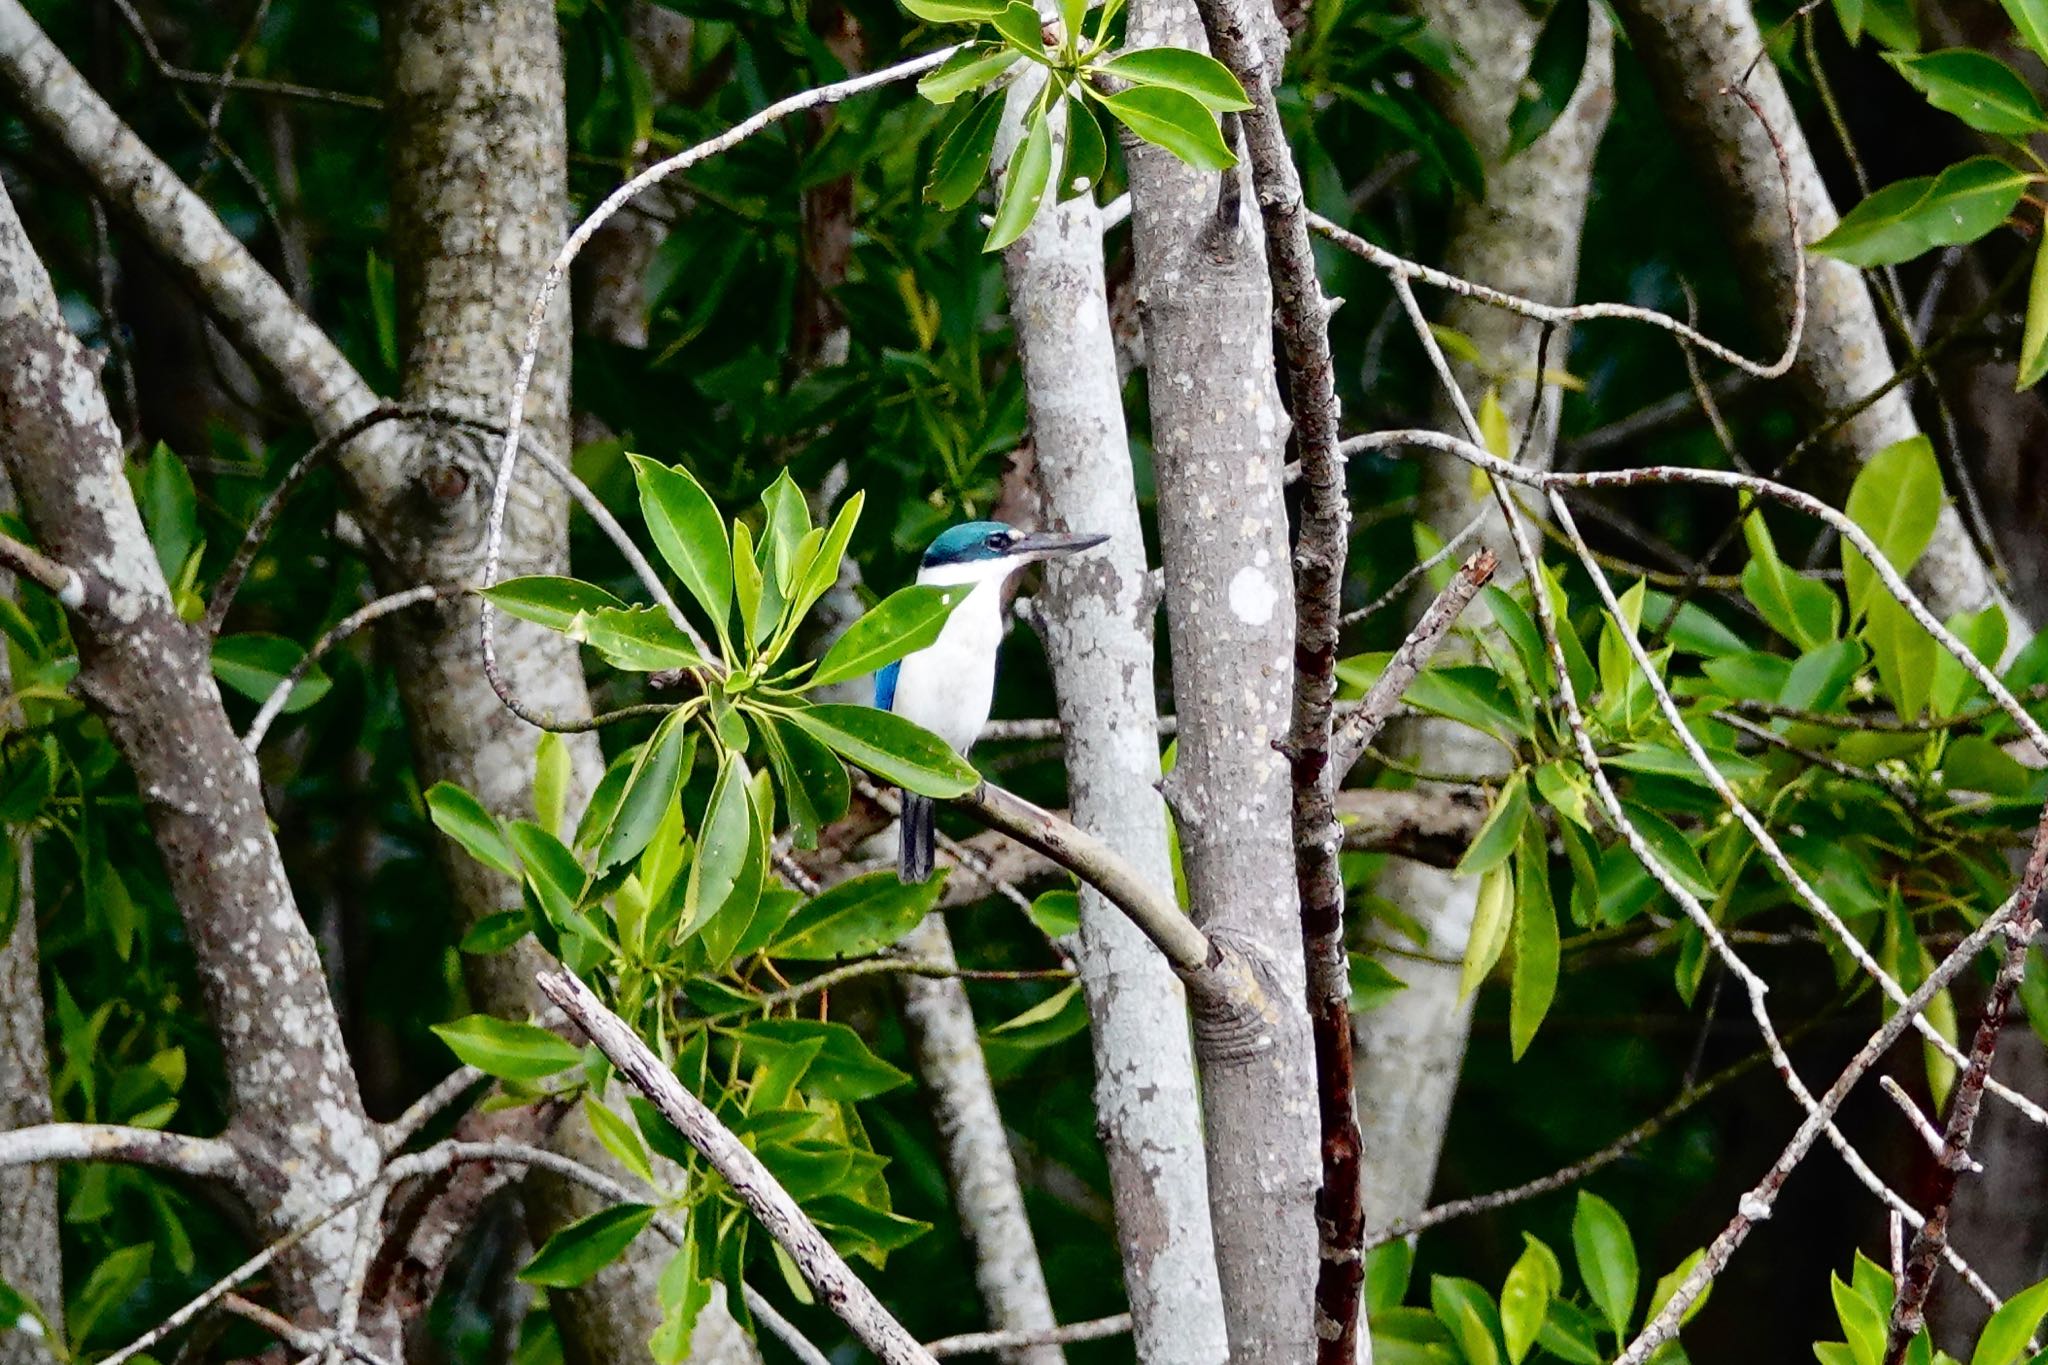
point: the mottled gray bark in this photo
(1523, 238)
(298, 1121)
(1217, 434)
(976, 1147)
(1096, 618)
(29, 1260)
(1691, 49)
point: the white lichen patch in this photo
(1252, 596)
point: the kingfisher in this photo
(949, 685)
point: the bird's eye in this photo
(1001, 540)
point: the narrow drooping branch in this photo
(822, 1267)
(204, 1158)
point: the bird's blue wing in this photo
(885, 686)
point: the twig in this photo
(274, 704)
(300, 1339)
(785, 1331)
(821, 1266)
(193, 1156)
(1401, 585)
(1929, 1134)
(64, 583)
(975, 1343)
(536, 323)
(423, 1110)
(1363, 725)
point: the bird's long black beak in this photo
(1047, 544)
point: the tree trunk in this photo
(1524, 238)
(1097, 623)
(1217, 432)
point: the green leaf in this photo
(855, 918)
(170, 509)
(822, 571)
(962, 160)
(586, 1246)
(1467, 1310)
(551, 869)
(723, 841)
(495, 933)
(2005, 1337)
(1532, 1282)
(550, 781)
(1555, 64)
(955, 11)
(1019, 23)
(547, 601)
(689, 533)
(813, 781)
(1056, 913)
(1607, 1259)
(1667, 1285)
(112, 1281)
(904, 622)
(1024, 182)
(748, 585)
(1195, 74)
(635, 639)
(968, 69)
(1501, 832)
(683, 1294)
(1172, 119)
(1052, 1020)
(1861, 1325)
(1087, 152)
(2034, 337)
(1896, 500)
(2030, 17)
(1803, 611)
(1534, 982)
(513, 1052)
(844, 1068)
(463, 818)
(1974, 763)
(1904, 652)
(1978, 89)
(1491, 919)
(1372, 984)
(1906, 219)
(618, 1137)
(656, 775)
(1673, 850)
(890, 747)
(1474, 695)
(255, 664)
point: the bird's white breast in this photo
(949, 686)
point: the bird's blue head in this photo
(993, 542)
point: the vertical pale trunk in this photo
(1097, 622)
(478, 208)
(1523, 238)
(1217, 434)
(298, 1121)
(1691, 49)
(29, 1260)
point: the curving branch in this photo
(202, 1158)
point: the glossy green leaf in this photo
(1607, 1259)
(1803, 611)
(1896, 500)
(2030, 17)
(548, 601)
(635, 639)
(170, 510)
(1904, 652)
(844, 1068)
(955, 11)
(1668, 1283)
(822, 571)
(495, 933)
(1471, 694)
(812, 779)
(1372, 983)
(655, 776)
(689, 532)
(890, 747)
(962, 161)
(1497, 838)
(1672, 849)
(1468, 1312)
(1555, 65)
(904, 622)
(969, 69)
(1024, 182)
(1534, 982)
(1532, 1282)
(1974, 86)
(1906, 219)
(586, 1246)
(723, 840)
(1056, 913)
(550, 868)
(1020, 25)
(2004, 1338)
(514, 1052)
(1491, 920)
(618, 1137)
(1194, 74)
(254, 665)
(855, 918)
(1861, 1325)
(1087, 152)
(463, 818)
(683, 1294)
(2034, 335)
(1172, 119)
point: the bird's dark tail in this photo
(914, 849)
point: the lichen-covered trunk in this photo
(298, 1122)
(1217, 435)
(1692, 49)
(1097, 621)
(478, 207)
(1523, 238)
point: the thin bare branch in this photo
(205, 1158)
(977, 1343)
(273, 705)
